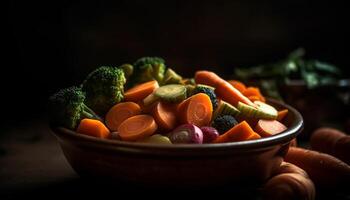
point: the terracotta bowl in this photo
(186, 164)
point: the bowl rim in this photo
(291, 132)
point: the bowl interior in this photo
(293, 121)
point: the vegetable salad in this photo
(149, 102)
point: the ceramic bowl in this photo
(185, 164)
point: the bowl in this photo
(251, 161)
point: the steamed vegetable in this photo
(137, 127)
(67, 108)
(171, 77)
(120, 112)
(148, 69)
(253, 92)
(223, 89)
(282, 114)
(208, 91)
(156, 139)
(165, 116)
(267, 128)
(93, 127)
(224, 123)
(172, 93)
(238, 85)
(104, 88)
(225, 108)
(240, 132)
(139, 92)
(323, 169)
(290, 182)
(209, 134)
(186, 134)
(331, 141)
(196, 110)
(260, 111)
(127, 69)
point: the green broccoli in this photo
(224, 123)
(147, 69)
(67, 108)
(208, 91)
(127, 69)
(104, 87)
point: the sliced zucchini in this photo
(205, 86)
(262, 111)
(225, 108)
(189, 89)
(172, 93)
(150, 99)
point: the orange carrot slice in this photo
(282, 114)
(141, 91)
(137, 127)
(196, 110)
(165, 116)
(93, 128)
(269, 127)
(240, 132)
(120, 112)
(253, 91)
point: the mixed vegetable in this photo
(148, 102)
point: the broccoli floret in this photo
(127, 69)
(224, 123)
(104, 88)
(147, 69)
(67, 108)
(208, 91)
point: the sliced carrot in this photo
(254, 91)
(255, 98)
(238, 85)
(165, 115)
(120, 112)
(282, 114)
(223, 89)
(253, 136)
(267, 128)
(93, 128)
(141, 91)
(240, 132)
(196, 110)
(137, 127)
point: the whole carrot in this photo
(331, 141)
(222, 88)
(324, 169)
(289, 182)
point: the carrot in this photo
(253, 136)
(93, 128)
(223, 89)
(120, 112)
(253, 91)
(165, 116)
(293, 143)
(282, 114)
(331, 141)
(238, 85)
(196, 110)
(323, 169)
(267, 128)
(137, 127)
(141, 91)
(255, 98)
(240, 132)
(291, 182)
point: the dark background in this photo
(54, 44)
